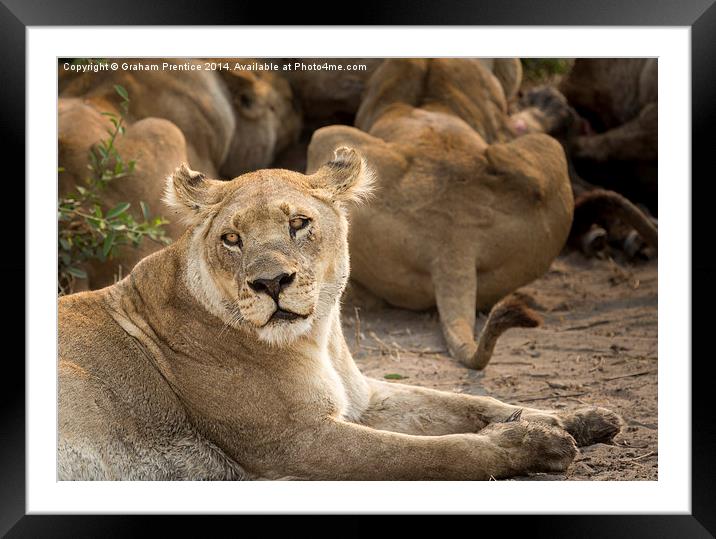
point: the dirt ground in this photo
(597, 346)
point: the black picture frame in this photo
(699, 15)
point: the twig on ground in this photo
(357, 328)
(587, 326)
(378, 340)
(649, 454)
(512, 363)
(527, 398)
(598, 365)
(421, 351)
(641, 373)
(387, 349)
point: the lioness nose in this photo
(272, 286)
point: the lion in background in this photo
(222, 357)
(465, 211)
(619, 98)
(225, 122)
(604, 111)
(234, 120)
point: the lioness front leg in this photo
(337, 450)
(455, 284)
(418, 410)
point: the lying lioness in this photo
(222, 357)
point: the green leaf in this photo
(394, 376)
(145, 210)
(65, 244)
(108, 243)
(121, 91)
(76, 272)
(119, 209)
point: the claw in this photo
(594, 241)
(633, 244)
(514, 416)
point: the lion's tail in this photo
(591, 205)
(511, 312)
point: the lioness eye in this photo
(297, 223)
(231, 239)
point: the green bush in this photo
(88, 230)
(538, 69)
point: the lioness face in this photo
(275, 255)
(268, 250)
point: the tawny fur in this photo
(328, 94)
(227, 121)
(605, 110)
(156, 145)
(473, 212)
(268, 116)
(619, 96)
(170, 374)
(604, 207)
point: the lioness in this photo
(614, 104)
(224, 122)
(474, 211)
(156, 145)
(222, 357)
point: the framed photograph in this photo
(498, 168)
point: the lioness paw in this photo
(533, 447)
(592, 425)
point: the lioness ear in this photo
(188, 193)
(346, 178)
